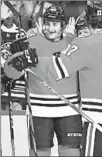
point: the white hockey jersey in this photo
(44, 102)
(45, 47)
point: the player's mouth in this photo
(52, 32)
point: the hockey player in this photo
(91, 88)
(68, 30)
(82, 29)
(87, 58)
(91, 97)
(50, 113)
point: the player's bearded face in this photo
(52, 30)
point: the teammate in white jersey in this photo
(50, 113)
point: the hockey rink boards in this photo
(21, 140)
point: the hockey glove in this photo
(18, 63)
(15, 65)
(19, 45)
(28, 59)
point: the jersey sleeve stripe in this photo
(56, 67)
(59, 67)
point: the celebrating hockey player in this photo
(90, 80)
(82, 28)
(57, 71)
(50, 113)
(45, 35)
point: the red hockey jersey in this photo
(84, 55)
(45, 47)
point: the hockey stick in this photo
(9, 5)
(78, 89)
(17, 14)
(11, 118)
(30, 115)
(66, 101)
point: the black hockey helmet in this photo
(81, 23)
(54, 13)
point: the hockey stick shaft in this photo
(9, 5)
(67, 101)
(11, 119)
(30, 115)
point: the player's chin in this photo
(52, 36)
